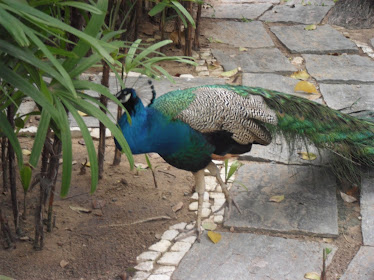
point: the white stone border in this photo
(162, 258)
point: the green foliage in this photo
(234, 167)
(35, 62)
(178, 7)
(25, 174)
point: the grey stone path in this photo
(243, 256)
(309, 205)
(323, 40)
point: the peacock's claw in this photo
(189, 232)
(229, 202)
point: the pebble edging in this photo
(162, 258)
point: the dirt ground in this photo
(101, 244)
(104, 243)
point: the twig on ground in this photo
(152, 219)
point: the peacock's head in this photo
(126, 94)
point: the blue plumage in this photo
(175, 141)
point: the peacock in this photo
(189, 128)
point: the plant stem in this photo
(12, 172)
(5, 229)
(104, 101)
(188, 33)
(4, 163)
(52, 176)
(196, 43)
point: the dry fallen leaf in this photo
(177, 206)
(313, 96)
(347, 198)
(312, 276)
(241, 49)
(63, 263)
(277, 198)
(214, 236)
(80, 209)
(82, 114)
(26, 152)
(307, 156)
(300, 75)
(310, 27)
(141, 165)
(230, 73)
(327, 240)
(209, 225)
(306, 87)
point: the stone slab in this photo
(340, 69)
(353, 97)
(230, 11)
(243, 256)
(279, 151)
(270, 81)
(269, 60)
(276, 82)
(367, 209)
(362, 265)
(372, 42)
(238, 34)
(309, 205)
(323, 40)
(311, 2)
(296, 14)
(27, 107)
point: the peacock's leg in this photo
(200, 189)
(214, 171)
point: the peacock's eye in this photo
(124, 95)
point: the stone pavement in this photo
(309, 207)
(270, 52)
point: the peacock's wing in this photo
(218, 109)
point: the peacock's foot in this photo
(229, 202)
(195, 231)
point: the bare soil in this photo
(102, 244)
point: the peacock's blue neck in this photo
(150, 131)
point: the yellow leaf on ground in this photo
(82, 114)
(310, 27)
(230, 73)
(277, 198)
(243, 49)
(26, 152)
(306, 87)
(307, 156)
(312, 276)
(300, 75)
(214, 236)
(88, 164)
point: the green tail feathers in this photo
(350, 139)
